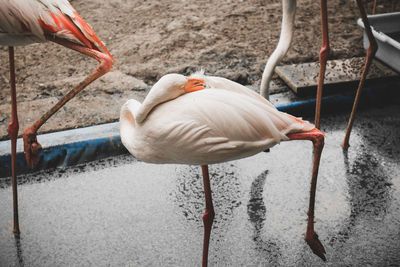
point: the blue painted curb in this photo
(66, 155)
(89, 149)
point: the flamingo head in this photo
(176, 84)
(169, 87)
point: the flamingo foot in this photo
(315, 245)
(31, 147)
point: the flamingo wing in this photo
(47, 17)
(223, 83)
(210, 126)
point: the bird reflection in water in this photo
(20, 257)
(257, 215)
(189, 194)
(369, 192)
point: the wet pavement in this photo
(121, 212)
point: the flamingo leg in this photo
(209, 214)
(13, 128)
(374, 8)
(372, 48)
(323, 58)
(318, 142)
(31, 146)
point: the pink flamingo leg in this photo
(31, 146)
(209, 214)
(318, 142)
(323, 58)
(372, 48)
(13, 128)
(374, 8)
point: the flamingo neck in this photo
(150, 102)
(167, 88)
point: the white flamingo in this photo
(23, 22)
(204, 120)
(288, 18)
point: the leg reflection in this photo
(257, 214)
(19, 251)
(369, 192)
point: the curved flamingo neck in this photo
(153, 99)
(167, 88)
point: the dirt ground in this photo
(150, 38)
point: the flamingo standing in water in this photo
(23, 22)
(288, 18)
(204, 120)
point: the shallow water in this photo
(121, 212)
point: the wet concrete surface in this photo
(121, 212)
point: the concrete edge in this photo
(72, 147)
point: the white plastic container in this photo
(386, 29)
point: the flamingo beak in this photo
(194, 84)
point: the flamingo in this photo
(23, 22)
(288, 18)
(203, 120)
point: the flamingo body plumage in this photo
(23, 22)
(223, 122)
